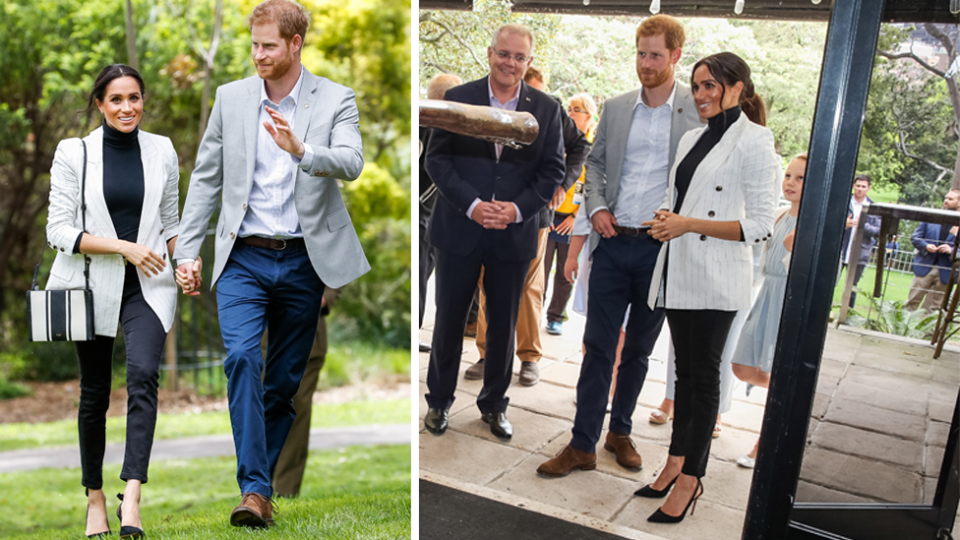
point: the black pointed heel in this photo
(99, 535)
(128, 531)
(660, 517)
(650, 493)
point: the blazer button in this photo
(232, 235)
(164, 256)
(703, 238)
(757, 241)
(711, 213)
(161, 231)
(244, 207)
(61, 249)
(719, 188)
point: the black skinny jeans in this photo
(698, 339)
(144, 337)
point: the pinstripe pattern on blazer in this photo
(158, 224)
(736, 181)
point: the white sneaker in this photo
(746, 462)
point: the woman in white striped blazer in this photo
(131, 193)
(720, 200)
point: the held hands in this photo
(143, 258)
(188, 277)
(603, 222)
(666, 225)
(282, 134)
(494, 214)
(565, 227)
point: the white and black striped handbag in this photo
(63, 315)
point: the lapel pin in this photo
(528, 99)
(680, 110)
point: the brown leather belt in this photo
(631, 231)
(273, 243)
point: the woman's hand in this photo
(667, 225)
(188, 277)
(143, 258)
(788, 240)
(565, 227)
(571, 268)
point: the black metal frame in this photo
(772, 512)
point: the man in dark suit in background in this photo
(487, 217)
(871, 229)
(529, 349)
(935, 244)
(436, 88)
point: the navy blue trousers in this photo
(262, 288)
(620, 277)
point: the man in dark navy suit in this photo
(487, 217)
(934, 245)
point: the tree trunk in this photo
(131, 37)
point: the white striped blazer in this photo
(158, 224)
(736, 181)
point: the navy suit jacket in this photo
(924, 261)
(466, 168)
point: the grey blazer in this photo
(605, 162)
(327, 120)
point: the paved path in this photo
(198, 447)
(877, 435)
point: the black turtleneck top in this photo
(717, 126)
(123, 180)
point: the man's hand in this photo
(851, 222)
(603, 222)
(667, 226)
(505, 214)
(931, 248)
(945, 248)
(188, 277)
(483, 212)
(282, 134)
(557, 199)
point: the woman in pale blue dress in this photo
(753, 358)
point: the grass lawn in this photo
(897, 287)
(352, 493)
(173, 426)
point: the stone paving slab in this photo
(937, 433)
(561, 374)
(468, 458)
(809, 493)
(547, 399)
(868, 417)
(876, 447)
(537, 430)
(933, 461)
(885, 400)
(711, 521)
(860, 476)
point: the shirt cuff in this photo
(597, 209)
(306, 162)
(519, 215)
(472, 206)
(181, 262)
(76, 245)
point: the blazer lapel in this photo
(251, 123)
(713, 160)
(97, 213)
(152, 183)
(617, 138)
(306, 100)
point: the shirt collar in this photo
(516, 96)
(669, 103)
(294, 94)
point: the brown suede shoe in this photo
(625, 450)
(255, 510)
(566, 461)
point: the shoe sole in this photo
(529, 383)
(585, 467)
(609, 448)
(471, 377)
(247, 518)
(435, 431)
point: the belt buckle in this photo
(283, 246)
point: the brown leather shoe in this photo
(255, 510)
(625, 450)
(567, 461)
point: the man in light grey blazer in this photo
(275, 145)
(627, 174)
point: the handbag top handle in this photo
(83, 221)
